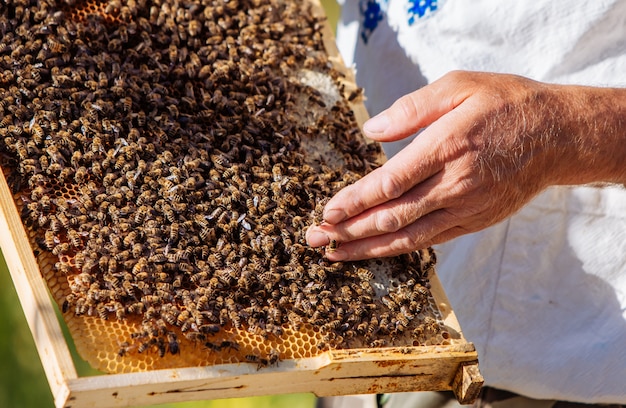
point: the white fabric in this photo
(542, 295)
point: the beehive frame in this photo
(333, 372)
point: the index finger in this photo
(418, 109)
(386, 183)
(410, 113)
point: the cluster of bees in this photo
(157, 147)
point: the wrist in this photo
(591, 133)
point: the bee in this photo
(199, 277)
(430, 324)
(332, 246)
(355, 94)
(420, 291)
(37, 133)
(389, 303)
(183, 317)
(141, 118)
(235, 319)
(120, 311)
(127, 103)
(140, 266)
(86, 201)
(415, 307)
(172, 343)
(55, 46)
(146, 345)
(335, 267)
(428, 258)
(185, 267)
(260, 362)
(96, 169)
(322, 345)
(96, 144)
(74, 238)
(273, 357)
(113, 7)
(402, 322)
(141, 214)
(230, 345)
(173, 110)
(80, 175)
(50, 240)
(168, 212)
(364, 274)
(212, 346)
(81, 307)
(102, 312)
(194, 28)
(269, 278)
(136, 308)
(205, 71)
(290, 184)
(123, 33)
(295, 274)
(172, 53)
(428, 327)
(405, 310)
(137, 250)
(170, 315)
(108, 179)
(112, 265)
(264, 204)
(295, 321)
(103, 81)
(21, 149)
(378, 343)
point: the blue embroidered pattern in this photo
(372, 13)
(420, 8)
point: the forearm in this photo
(593, 124)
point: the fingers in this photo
(416, 163)
(416, 110)
(380, 186)
(436, 210)
(388, 217)
(420, 160)
(427, 231)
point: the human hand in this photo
(491, 143)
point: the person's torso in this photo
(542, 294)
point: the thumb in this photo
(414, 111)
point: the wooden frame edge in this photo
(335, 372)
(34, 298)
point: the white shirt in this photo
(542, 294)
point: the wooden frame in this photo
(336, 372)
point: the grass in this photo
(22, 380)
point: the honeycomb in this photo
(167, 157)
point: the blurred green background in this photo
(22, 380)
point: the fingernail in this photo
(377, 124)
(316, 238)
(334, 216)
